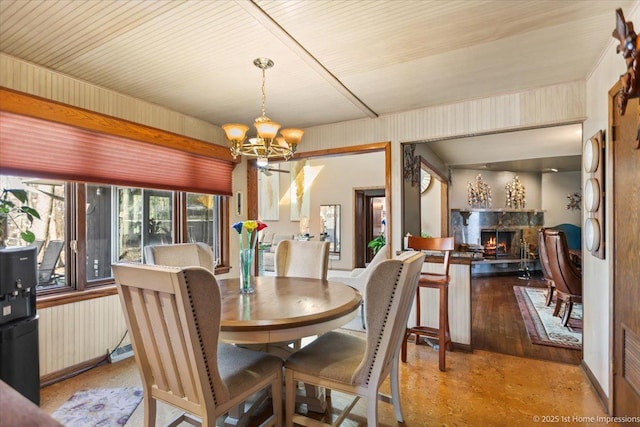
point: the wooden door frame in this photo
(610, 191)
(361, 210)
(252, 173)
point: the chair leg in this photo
(149, 411)
(549, 294)
(567, 313)
(276, 399)
(556, 311)
(372, 407)
(395, 389)
(403, 349)
(290, 397)
(442, 329)
(417, 310)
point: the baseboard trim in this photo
(71, 371)
(602, 397)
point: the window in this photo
(103, 224)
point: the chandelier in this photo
(267, 144)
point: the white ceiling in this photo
(533, 150)
(335, 60)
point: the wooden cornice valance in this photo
(33, 106)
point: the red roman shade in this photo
(36, 147)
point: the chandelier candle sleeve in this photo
(248, 234)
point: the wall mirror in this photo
(330, 221)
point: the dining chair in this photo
(173, 315)
(296, 258)
(359, 276)
(439, 281)
(566, 277)
(355, 364)
(181, 255)
(546, 269)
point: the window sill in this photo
(75, 296)
(61, 298)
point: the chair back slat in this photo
(544, 257)
(389, 290)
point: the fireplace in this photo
(500, 243)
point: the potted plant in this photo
(11, 211)
(377, 243)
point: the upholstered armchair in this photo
(181, 255)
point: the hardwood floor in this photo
(478, 389)
(497, 323)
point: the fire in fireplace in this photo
(500, 243)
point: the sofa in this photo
(268, 245)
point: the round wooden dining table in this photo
(284, 309)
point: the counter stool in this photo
(433, 281)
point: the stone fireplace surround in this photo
(469, 225)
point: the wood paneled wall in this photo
(34, 80)
(70, 334)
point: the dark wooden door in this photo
(626, 261)
(364, 224)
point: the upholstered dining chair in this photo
(566, 277)
(439, 281)
(546, 269)
(173, 316)
(358, 365)
(359, 276)
(181, 255)
(296, 258)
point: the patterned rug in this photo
(104, 407)
(543, 328)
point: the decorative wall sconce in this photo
(630, 48)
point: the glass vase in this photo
(246, 271)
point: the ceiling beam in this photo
(269, 23)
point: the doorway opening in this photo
(370, 221)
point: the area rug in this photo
(543, 328)
(104, 407)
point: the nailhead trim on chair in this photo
(384, 324)
(204, 354)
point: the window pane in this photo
(47, 197)
(129, 224)
(99, 232)
(158, 212)
(145, 217)
(203, 220)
